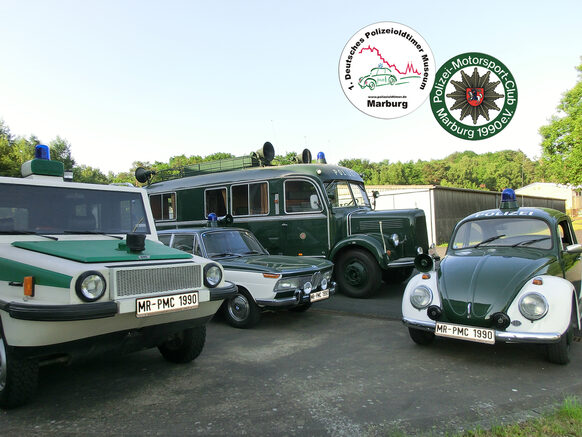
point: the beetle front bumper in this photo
(298, 298)
(500, 336)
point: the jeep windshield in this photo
(33, 209)
(508, 232)
(346, 193)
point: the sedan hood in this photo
(275, 264)
(488, 280)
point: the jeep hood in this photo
(100, 251)
(275, 264)
(488, 280)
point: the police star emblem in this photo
(475, 95)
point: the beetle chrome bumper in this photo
(501, 336)
(297, 299)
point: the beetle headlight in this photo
(533, 306)
(287, 284)
(395, 240)
(421, 297)
(90, 286)
(212, 275)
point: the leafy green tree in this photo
(61, 151)
(562, 139)
(90, 175)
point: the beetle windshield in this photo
(231, 243)
(37, 209)
(346, 193)
(507, 231)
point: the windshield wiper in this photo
(223, 254)
(252, 252)
(488, 240)
(527, 242)
(92, 233)
(50, 237)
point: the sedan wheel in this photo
(241, 311)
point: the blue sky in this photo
(124, 81)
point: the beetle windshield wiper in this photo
(488, 240)
(527, 242)
(92, 233)
(50, 237)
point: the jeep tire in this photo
(184, 346)
(18, 378)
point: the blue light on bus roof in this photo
(42, 152)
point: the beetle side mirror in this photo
(574, 248)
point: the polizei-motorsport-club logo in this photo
(386, 70)
(474, 96)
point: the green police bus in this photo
(310, 209)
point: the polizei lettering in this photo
(372, 103)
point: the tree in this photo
(562, 139)
(61, 151)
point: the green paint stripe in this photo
(15, 271)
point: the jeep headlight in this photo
(421, 297)
(533, 306)
(212, 275)
(286, 284)
(90, 286)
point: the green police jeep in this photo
(309, 209)
(82, 270)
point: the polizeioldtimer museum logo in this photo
(386, 70)
(474, 96)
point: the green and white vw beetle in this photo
(509, 275)
(81, 270)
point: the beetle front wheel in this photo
(559, 353)
(421, 337)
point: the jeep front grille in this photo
(157, 279)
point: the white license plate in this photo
(150, 306)
(318, 295)
(470, 333)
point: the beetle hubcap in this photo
(238, 308)
(355, 274)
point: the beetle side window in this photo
(301, 196)
(215, 201)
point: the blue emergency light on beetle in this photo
(508, 199)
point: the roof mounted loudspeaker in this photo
(142, 175)
(306, 156)
(265, 154)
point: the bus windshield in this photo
(346, 193)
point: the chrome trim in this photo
(402, 262)
(506, 337)
(297, 299)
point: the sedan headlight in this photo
(212, 275)
(533, 306)
(90, 286)
(287, 284)
(421, 297)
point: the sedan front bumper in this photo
(298, 298)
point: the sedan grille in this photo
(149, 280)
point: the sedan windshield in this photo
(346, 193)
(507, 231)
(231, 243)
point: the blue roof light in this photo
(508, 199)
(42, 152)
(321, 158)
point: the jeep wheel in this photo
(18, 378)
(559, 353)
(421, 337)
(358, 273)
(241, 311)
(184, 346)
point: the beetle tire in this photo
(241, 311)
(421, 337)
(18, 378)
(559, 353)
(184, 346)
(358, 273)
